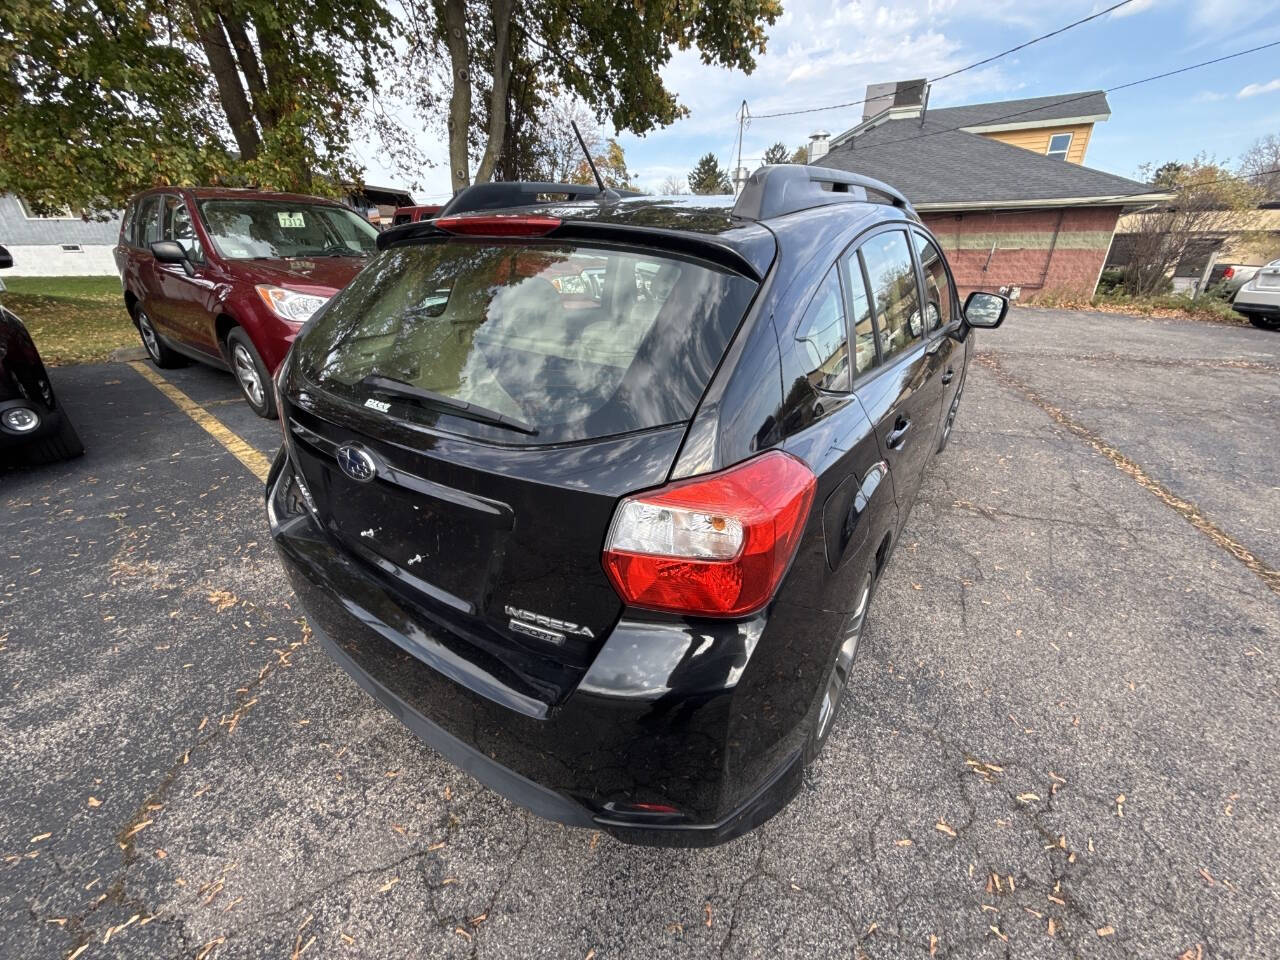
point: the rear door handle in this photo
(898, 434)
(948, 376)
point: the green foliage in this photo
(800, 156)
(708, 177)
(100, 98)
(1167, 174)
(778, 153)
(95, 102)
(606, 55)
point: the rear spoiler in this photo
(750, 258)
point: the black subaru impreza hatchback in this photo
(594, 494)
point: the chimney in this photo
(819, 144)
(905, 97)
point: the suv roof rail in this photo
(522, 193)
(784, 188)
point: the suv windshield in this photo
(253, 229)
(570, 342)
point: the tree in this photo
(549, 149)
(1208, 199)
(708, 177)
(800, 156)
(778, 153)
(673, 186)
(99, 98)
(608, 55)
(1260, 165)
(1168, 174)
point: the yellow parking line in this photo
(258, 465)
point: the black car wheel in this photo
(1264, 323)
(63, 445)
(251, 374)
(838, 679)
(160, 355)
(951, 416)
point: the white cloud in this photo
(1253, 89)
(1208, 96)
(1138, 6)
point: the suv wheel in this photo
(251, 374)
(160, 355)
(838, 679)
(1264, 323)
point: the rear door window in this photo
(822, 338)
(937, 283)
(571, 341)
(892, 276)
(864, 330)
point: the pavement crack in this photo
(1269, 576)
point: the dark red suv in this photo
(228, 277)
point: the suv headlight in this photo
(291, 305)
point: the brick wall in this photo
(1026, 253)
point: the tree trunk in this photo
(498, 96)
(252, 70)
(455, 25)
(235, 105)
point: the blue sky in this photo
(823, 52)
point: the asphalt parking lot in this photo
(1062, 742)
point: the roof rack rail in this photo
(784, 188)
(523, 193)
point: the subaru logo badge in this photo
(356, 463)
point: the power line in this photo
(979, 63)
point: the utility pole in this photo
(738, 178)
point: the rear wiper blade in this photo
(390, 387)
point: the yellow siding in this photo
(1037, 140)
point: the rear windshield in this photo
(572, 342)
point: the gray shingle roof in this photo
(1064, 106)
(936, 165)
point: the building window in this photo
(1059, 144)
(62, 213)
(72, 248)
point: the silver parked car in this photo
(1259, 299)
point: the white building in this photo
(65, 245)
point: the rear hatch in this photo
(506, 394)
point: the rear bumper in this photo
(1263, 303)
(621, 737)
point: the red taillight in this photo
(499, 225)
(712, 546)
(1228, 273)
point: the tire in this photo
(251, 374)
(1264, 323)
(950, 421)
(832, 696)
(160, 355)
(63, 445)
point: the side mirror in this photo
(170, 251)
(6, 259)
(985, 310)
